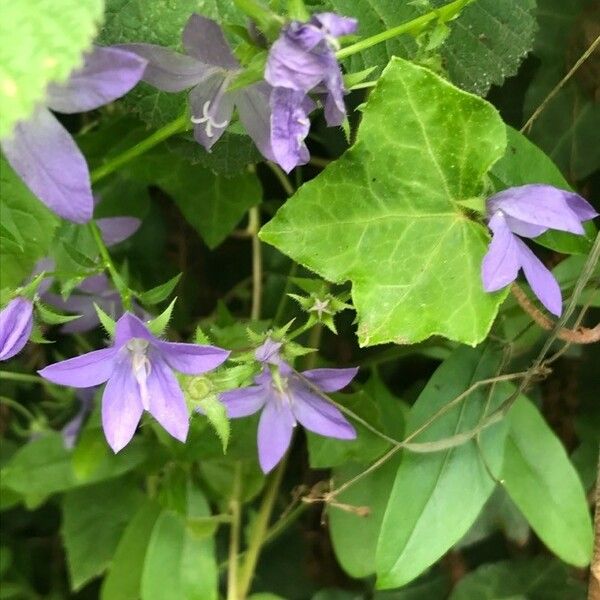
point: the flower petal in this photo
(204, 40)
(335, 24)
(581, 207)
(274, 434)
(168, 70)
(129, 326)
(192, 359)
(212, 106)
(107, 74)
(537, 204)
(524, 229)
(255, 114)
(320, 416)
(83, 371)
(289, 127)
(268, 352)
(541, 280)
(244, 401)
(330, 380)
(501, 264)
(166, 402)
(115, 230)
(16, 322)
(45, 156)
(121, 407)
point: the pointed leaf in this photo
(160, 292)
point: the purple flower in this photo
(45, 155)
(138, 370)
(301, 60)
(70, 432)
(16, 322)
(529, 211)
(209, 67)
(287, 397)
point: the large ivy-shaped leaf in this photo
(26, 229)
(486, 44)
(411, 252)
(41, 41)
(437, 496)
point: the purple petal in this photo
(70, 432)
(166, 402)
(274, 434)
(129, 326)
(96, 284)
(83, 371)
(268, 352)
(212, 107)
(255, 114)
(45, 156)
(336, 25)
(330, 380)
(107, 74)
(16, 322)
(291, 63)
(541, 280)
(204, 40)
(168, 70)
(192, 359)
(537, 204)
(289, 127)
(244, 401)
(115, 230)
(524, 229)
(121, 407)
(581, 207)
(320, 416)
(501, 264)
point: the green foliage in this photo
(415, 534)
(40, 42)
(544, 485)
(26, 229)
(94, 519)
(400, 241)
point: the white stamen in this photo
(209, 120)
(141, 366)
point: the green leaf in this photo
(405, 244)
(40, 43)
(107, 322)
(178, 564)
(354, 535)
(159, 23)
(212, 204)
(94, 519)
(160, 292)
(525, 163)
(417, 533)
(124, 577)
(52, 317)
(543, 483)
(539, 578)
(216, 413)
(488, 41)
(23, 215)
(158, 325)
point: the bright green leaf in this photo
(41, 41)
(160, 292)
(413, 256)
(447, 489)
(543, 483)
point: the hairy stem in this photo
(260, 530)
(257, 270)
(235, 509)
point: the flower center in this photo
(141, 366)
(209, 107)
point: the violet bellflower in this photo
(528, 211)
(287, 397)
(208, 68)
(138, 369)
(43, 152)
(16, 323)
(303, 60)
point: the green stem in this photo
(283, 179)
(17, 407)
(261, 525)
(22, 377)
(109, 265)
(300, 330)
(177, 126)
(235, 509)
(257, 270)
(443, 13)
